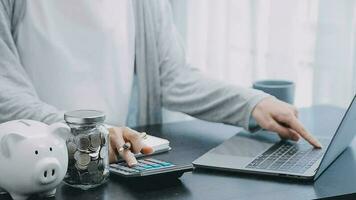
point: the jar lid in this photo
(84, 117)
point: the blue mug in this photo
(281, 89)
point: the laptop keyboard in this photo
(288, 157)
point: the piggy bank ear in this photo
(60, 130)
(8, 142)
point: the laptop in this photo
(265, 153)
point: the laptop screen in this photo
(341, 139)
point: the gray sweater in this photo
(164, 78)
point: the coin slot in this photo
(53, 172)
(36, 152)
(45, 174)
(50, 148)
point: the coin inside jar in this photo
(95, 141)
(80, 167)
(94, 156)
(72, 148)
(103, 152)
(83, 142)
(82, 158)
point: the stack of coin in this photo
(88, 158)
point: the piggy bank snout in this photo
(47, 171)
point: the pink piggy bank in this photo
(33, 157)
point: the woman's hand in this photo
(121, 135)
(277, 116)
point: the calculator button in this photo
(114, 165)
(139, 164)
(117, 168)
(167, 164)
(158, 167)
(163, 163)
(138, 168)
(131, 170)
(144, 166)
(155, 165)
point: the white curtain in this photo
(310, 42)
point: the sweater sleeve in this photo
(18, 97)
(186, 90)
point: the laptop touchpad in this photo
(247, 144)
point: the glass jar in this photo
(88, 149)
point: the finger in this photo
(125, 154)
(129, 157)
(283, 132)
(112, 154)
(137, 141)
(294, 124)
(294, 135)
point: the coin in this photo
(94, 156)
(72, 148)
(83, 142)
(103, 152)
(80, 167)
(82, 158)
(76, 155)
(95, 141)
(92, 149)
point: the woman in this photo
(113, 55)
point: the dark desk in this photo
(192, 139)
